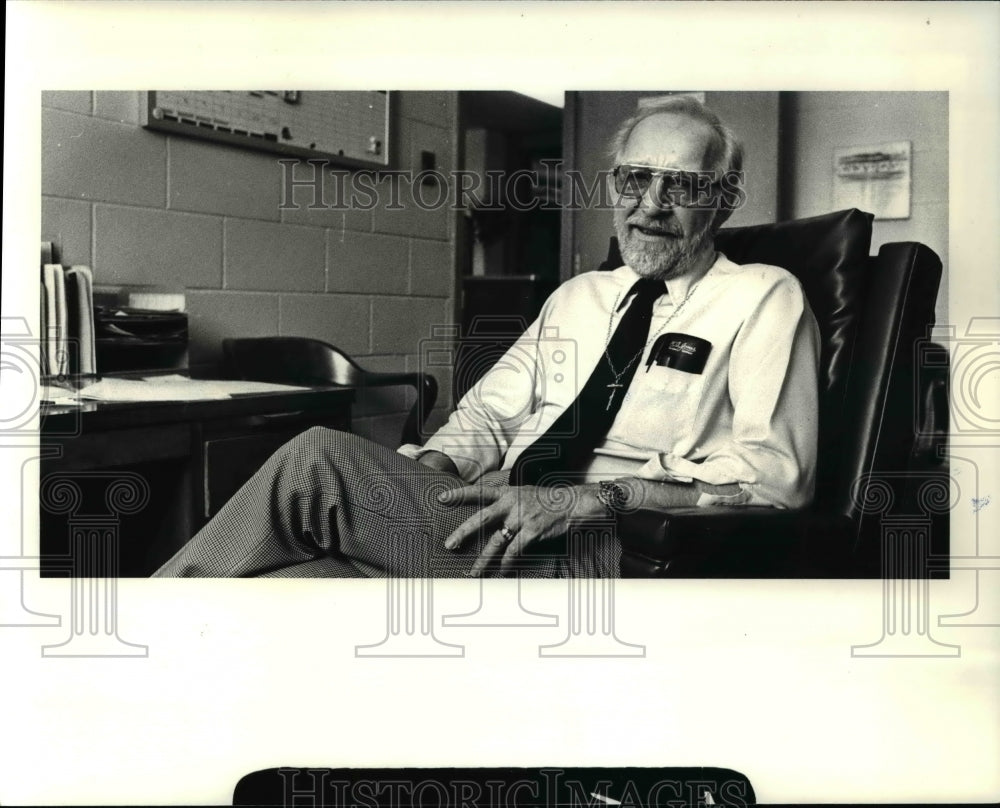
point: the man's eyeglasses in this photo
(686, 189)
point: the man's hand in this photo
(529, 513)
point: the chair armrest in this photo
(930, 445)
(737, 542)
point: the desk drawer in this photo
(121, 447)
(230, 462)
(233, 450)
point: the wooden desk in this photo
(139, 479)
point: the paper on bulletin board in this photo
(874, 179)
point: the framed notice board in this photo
(350, 127)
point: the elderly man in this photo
(677, 379)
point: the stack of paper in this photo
(80, 305)
(57, 358)
(67, 315)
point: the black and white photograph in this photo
(758, 394)
(452, 419)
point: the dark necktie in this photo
(567, 444)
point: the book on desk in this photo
(81, 337)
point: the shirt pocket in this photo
(660, 408)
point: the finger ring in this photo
(507, 533)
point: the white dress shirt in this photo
(749, 418)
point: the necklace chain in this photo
(607, 339)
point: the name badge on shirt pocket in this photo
(681, 352)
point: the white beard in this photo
(672, 260)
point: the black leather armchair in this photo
(872, 311)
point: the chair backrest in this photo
(289, 360)
(829, 256)
(870, 311)
(882, 407)
(302, 360)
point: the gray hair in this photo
(726, 153)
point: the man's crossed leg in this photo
(333, 504)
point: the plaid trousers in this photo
(333, 504)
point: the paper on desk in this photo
(174, 388)
(60, 396)
(139, 390)
(234, 388)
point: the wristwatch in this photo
(612, 496)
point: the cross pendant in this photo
(614, 389)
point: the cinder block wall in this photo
(142, 207)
